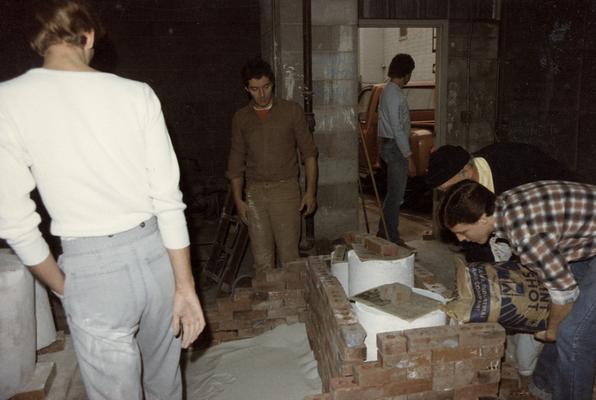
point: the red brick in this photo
(455, 354)
(216, 316)
(268, 305)
(295, 302)
(408, 387)
(488, 376)
(443, 376)
(487, 363)
(251, 315)
(481, 334)
(346, 389)
(243, 294)
(296, 266)
(227, 305)
(391, 342)
(275, 276)
(268, 286)
(234, 324)
(224, 335)
(371, 374)
(465, 373)
(380, 246)
(421, 339)
(419, 372)
(323, 396)
(434, 395)
(297, 284)
(406, 360)
(351, 237)
(494, 351)
(281, 312)
(475, 391)
(353, 353)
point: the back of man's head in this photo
(62, 21)
(464, 203)
(444, 163)
(256, 68)
(401, 65)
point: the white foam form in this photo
(376, 321)
(365, 275)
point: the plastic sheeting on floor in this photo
(277, 364)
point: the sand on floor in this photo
(278, 364)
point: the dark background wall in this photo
(189, 51)
(547, 83)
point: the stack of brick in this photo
(275, 298)
(336, 337)
(459, 363)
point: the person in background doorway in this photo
(97, 148)
(551, 226)
(394, 139)
(263, 166)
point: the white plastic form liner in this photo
(17, 325)
(376, 321)
(340, 271)
(365, 275)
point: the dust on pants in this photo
(273, 221)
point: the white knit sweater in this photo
(97, 148)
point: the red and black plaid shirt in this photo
(549, 224)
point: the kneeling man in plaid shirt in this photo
(551, 226)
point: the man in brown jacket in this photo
(265, 136)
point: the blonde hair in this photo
(57, 21)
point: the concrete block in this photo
(290, 34)
(334, 65)
(334, 171)
(339, 196)
(336, 145)
(334, 12)
(334, 37)
(290, 11)
(336, 118)
(341, 92)
(331, 222)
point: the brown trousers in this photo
(273, 221)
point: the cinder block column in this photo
(335, 98)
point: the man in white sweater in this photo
(97, 148)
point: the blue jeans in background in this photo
(397, 178)
(565, 369)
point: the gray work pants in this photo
(118, 300)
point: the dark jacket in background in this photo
(514, 164)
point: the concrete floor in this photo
(432, 256)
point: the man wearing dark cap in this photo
(498, 167)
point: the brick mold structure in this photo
(446, 362)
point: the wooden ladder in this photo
(229, 248)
